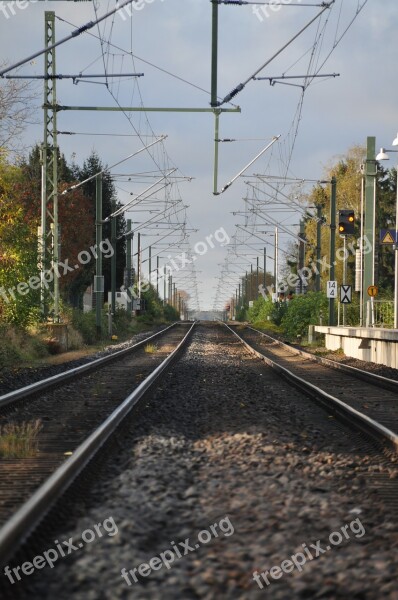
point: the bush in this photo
(170, 313)
(85, 324)
(302, 311)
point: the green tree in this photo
(18, 251)
(110, 203)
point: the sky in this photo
(175, 35)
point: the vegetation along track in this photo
(366, 400)
(222, 435)
(69, 407)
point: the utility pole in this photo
(99, 279)
(276, 265)
(113, 261)
(50, 169)
(265, 266)
(150, 263)
(318, 246)
(164, 285)
(157, 275)
(369, 225)
(129, 271)
(256, 279)
(139, 268)
(332, 257)
(301, 261)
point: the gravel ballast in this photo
(225, 443)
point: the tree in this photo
(19, 296)
(90, 167)
(76, 222)
(17, 105)
(348, 175)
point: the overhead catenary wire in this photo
(74, 34)
(241, 86)
(77, 185)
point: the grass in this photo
(150, 348)
(19, 440)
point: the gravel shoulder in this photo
(224, 441)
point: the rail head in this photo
(21, 524)
(385, 382)
(340, 408)
(50, 382)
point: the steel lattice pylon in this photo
(49, 234)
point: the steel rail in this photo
(385, 382)
(23, 522)
(338, 407)
(49, 382)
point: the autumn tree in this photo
(92, 166)
(18, 104)
(347, 172)
(19, 295)
(76, 221)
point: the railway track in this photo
(362, 399)
(222, 434)
(79, 409)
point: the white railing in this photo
(380, 313)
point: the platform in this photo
(372, 344)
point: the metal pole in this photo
(361, 308)
(216, 142)
(301, 257)
(369, 224)
(344, 274)
(318, 246)
(99, 282)
(157, 275)
(214, 54)
(251, 282)
(150, 263)
(276, 260)
(43, 234)
(265, 267)
(332, 257)
(139, 267)
(257, 278)
(128, 266)
(396, 262)
(113, 261)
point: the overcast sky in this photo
(176, 36)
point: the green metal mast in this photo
(332, 257)
(369, 225)
(49, 209)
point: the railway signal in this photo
(346, 222)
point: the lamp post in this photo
(384, 156)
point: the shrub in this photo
(302, 311)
